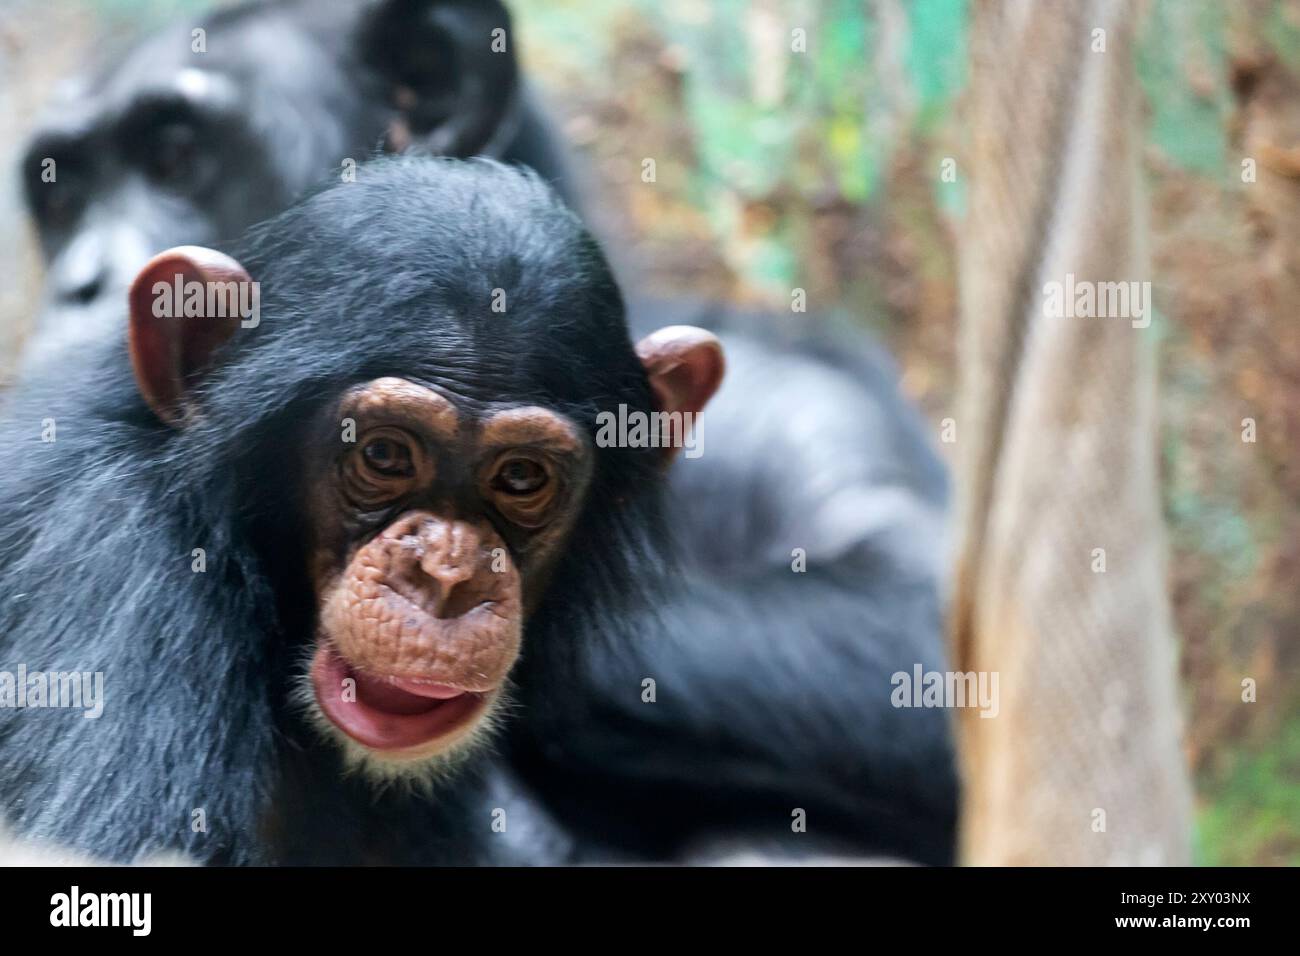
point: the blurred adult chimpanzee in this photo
(192, 138)
(373, 525)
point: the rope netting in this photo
(1060, 583)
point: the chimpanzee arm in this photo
(769, 695)
(111, 578)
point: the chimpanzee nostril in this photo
(452, 587)
(455, 600)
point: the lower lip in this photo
(449, 712)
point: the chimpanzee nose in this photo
(452, 590)
(453, 567)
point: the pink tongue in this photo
(385, 695)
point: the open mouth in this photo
(392, 714)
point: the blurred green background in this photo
(821, 171)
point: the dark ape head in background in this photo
(192, 137)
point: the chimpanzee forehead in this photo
(446, 418)
(224, 46)
(471, 278)
(398, 399)
(99, 115)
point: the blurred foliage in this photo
(1181, 66)
(782, 117)
(1255, 816)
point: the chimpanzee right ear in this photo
(176, 324)
(448, 67)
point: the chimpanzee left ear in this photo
(172, 335)
(685, 365)
(449, 70)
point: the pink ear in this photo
(170, 349)
(685, 365)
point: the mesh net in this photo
(1060, 584)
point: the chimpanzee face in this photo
(434, 532)
(170, 147)
(218, 123)
(433, 514)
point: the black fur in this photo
(773, 686)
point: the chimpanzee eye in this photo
(57, 205)
(389, 457)
(385, 464)
(520, 476)
(175, 158)
(57, 201)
